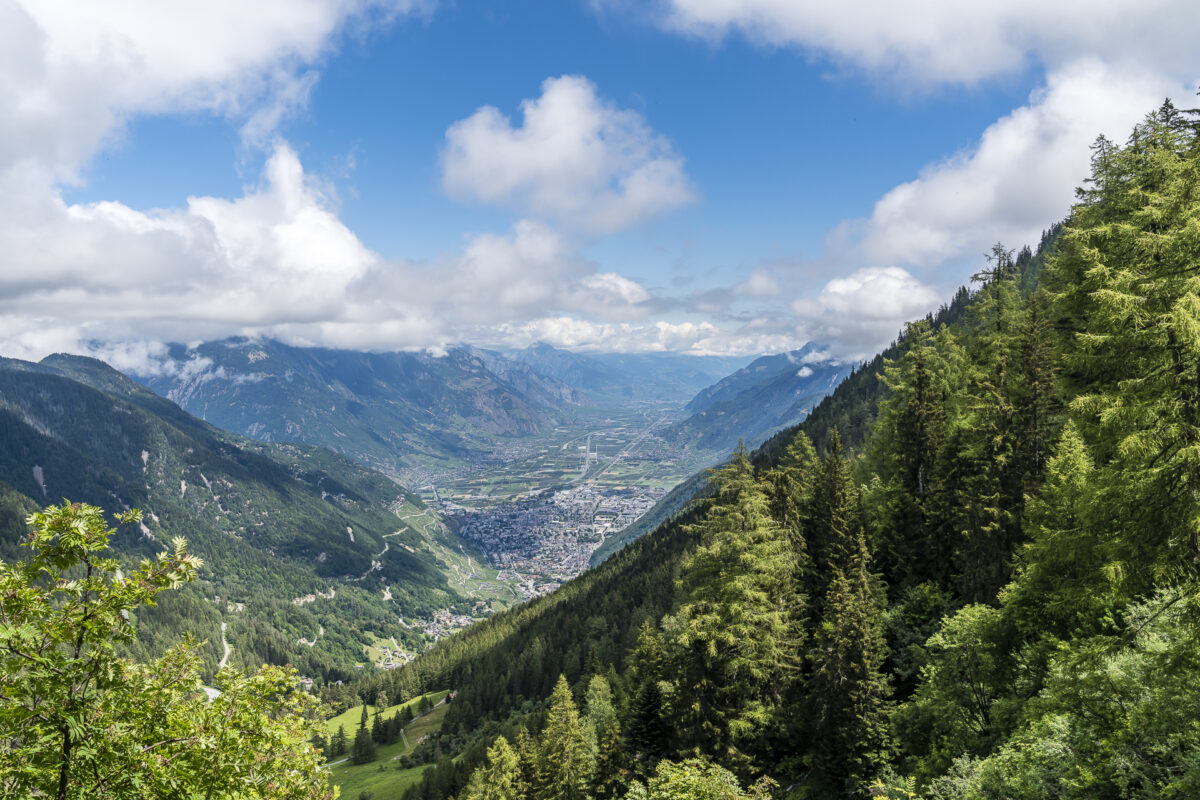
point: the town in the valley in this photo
(549, 537)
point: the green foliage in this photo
(79, 721)
(849, 695)
(566, 753)
(954, 709)
(739, 620)
(500, 778)
(696, 779)
(605, 730)
(1021, 469)
(1113, 722)
(363, 750)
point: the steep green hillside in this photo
(772, 393)
(300, 545)
(983, 582)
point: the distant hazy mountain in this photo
(543, 389)
(275, 524)
(622, 377)
(770, 393)
(387, 410)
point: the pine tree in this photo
(592, 665)
(739, 619)
(566, 757)
(648, 659)
(377, 731)
(790, 486)
(986, 445)
(500, 778)
(1062, 587)
(1038, 399)
(392, 728)
(362, 720)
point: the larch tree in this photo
(500, 778)
(566, 754)
(601, 719)
(739, 621)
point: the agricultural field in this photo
(384, 776)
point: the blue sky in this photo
(732, 176)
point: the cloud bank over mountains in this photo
(570, 165)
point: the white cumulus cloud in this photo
(938, 42)
(278, 261)
(859, 312)
(574, 159)
(1020, 176)
(71, 73)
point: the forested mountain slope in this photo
(757, 372)
(772, 393)
(387, 410)
(298, 542)
(973, 572)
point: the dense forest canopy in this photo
(971, 573)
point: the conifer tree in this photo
(339, 743)
(500, 778)
(739, 621)
(908, 450)
(1038, 399)
(848, 692)
(1061, 587)
(527, 761)
(790, 486)
(566, 755)
(647, 661)
(647, 733)
(363, 750)
(835, 520)
(362, 720)
(601, 718)
(986, 448)
(1125, 278)
(377, 729)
